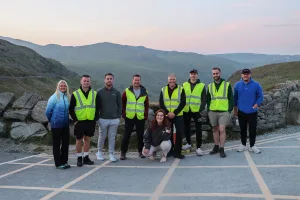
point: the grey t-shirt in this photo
(137, 92)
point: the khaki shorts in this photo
(218, 118)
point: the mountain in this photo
(270, 75)
(24, 70)
(124, 61)
(255, 60)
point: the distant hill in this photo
(270, 75)
(255, 60)
(22, 69)
(123, 61)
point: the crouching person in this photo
(157, 137)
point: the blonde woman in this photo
(57, 112)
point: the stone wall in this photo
(23, 119)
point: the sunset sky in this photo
(201, 26)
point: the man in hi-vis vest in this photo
(84, 111)
(219, 105)
(195, 103)
(135, 105)
(172, 100)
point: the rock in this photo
(17, 114)
(204, 135)
(38, 112)
(28, 100)
(293, 117)
(273, 119)
(25, 131)
(277, 94)
(206, 127)
(3, 129)
(278, 108)
(6, 98)
(150, 114)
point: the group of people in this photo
(178, 105)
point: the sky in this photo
(200, 26)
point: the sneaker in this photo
(67, 166)
(79, 161)
(242, 148)
(254, 149)
(215, 150)
(87, 161)
(61, 167)
(112, 158)
(199, 152)
(163, 159)
(187, 146)
(99, 156)
(222, 153)
(141, 155)
(123, 156)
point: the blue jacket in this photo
(248, 94)
(57, 111)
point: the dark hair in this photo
(216, 68)
(165, 121)
(136, 75)
(86, 76)
(108, 74)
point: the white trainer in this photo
(99, 156)
(112, 158)
(254, 149)
(187, 146)
(241, 148)
(199, 152)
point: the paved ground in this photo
(273, 174)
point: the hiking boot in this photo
(215, 150)
(141, 155)
(87, 161)
(242, 148)
(187, 146)
(79, 161)
(123, 156)
(222, 153)
(199, 152)
(254, 149)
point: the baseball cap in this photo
(194, 71)
(246, 71)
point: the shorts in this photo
(84, 128)
(218, 118)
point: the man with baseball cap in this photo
(248, 96)
(195, 104)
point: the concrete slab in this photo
(286, 142)
(9, 168)
(43, 176)
(277, 157)
(7, 194)
(136, 161)
(71, 161)
(79, 196)
(223, 180)
(209, 198)
(5, 157)
(122, 180)
(233, 158)
(282, 181)
(32, 160)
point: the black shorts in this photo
(84, 128)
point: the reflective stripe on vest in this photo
(173, 103)
(219, 99)
(85, 107)
(193, 98)
(135, 106)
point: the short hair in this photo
(136, 75)
(172, 74)
(216, 68)
(86, 76)
(108, 74)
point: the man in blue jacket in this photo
(248, 96)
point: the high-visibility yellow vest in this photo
(219, 99)
(173, 103)
(193, 98)
(135, 106)
(85, 107)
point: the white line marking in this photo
(161, 186)
(211, 194)
(277, 166)
(279, 147)
(52, 194)
(286, 197)
(155, 167)
(263, 186)
(298, 138)
(231, 166)
(23, 168)
(18, 159)
(111, 193)
(27, 188)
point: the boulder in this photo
(6, 98)
(38, 112)
(28, 100)
(25, 131)
(293, 116)
(3, 129)
(17, 114)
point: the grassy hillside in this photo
(24, 70)
(270, 75)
